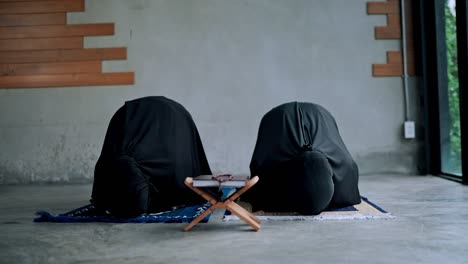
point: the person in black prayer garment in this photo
(303, 164)
(151, 146)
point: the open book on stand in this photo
(223, 180)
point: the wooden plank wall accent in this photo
(39, 49)
(394, 65)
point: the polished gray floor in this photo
(431, 227)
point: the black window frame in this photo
(432, 54)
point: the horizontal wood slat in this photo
(382, 8)
(388, 70)
(392, 30)
(387, 33)
(41, 7)
(57, 31)
(41, 44)
(33, 19)
(50, 68)
(382, 70)
(394, 66)
(63, 55)
(391, 8)
(61, 80)
(39, 49)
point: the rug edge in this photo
(227, 218)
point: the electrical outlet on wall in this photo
(409, 129)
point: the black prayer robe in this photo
(151, 146)
(302, 162)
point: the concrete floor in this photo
(431, 227)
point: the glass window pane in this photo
(451, 142)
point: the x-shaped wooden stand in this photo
(229, 204)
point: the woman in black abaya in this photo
(151, 146)
(302, 162)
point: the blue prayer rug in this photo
(89, 213)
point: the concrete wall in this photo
(228, 62)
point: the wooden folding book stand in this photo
(229, 204)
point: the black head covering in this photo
(151, 146)
(292, 129)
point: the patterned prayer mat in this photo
(89, 213)
(365, 210)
